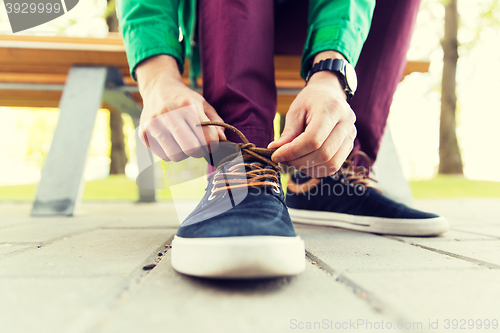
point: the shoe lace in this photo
(357, 175)
(255, 161)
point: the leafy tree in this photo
(450, 160)
(118, 155)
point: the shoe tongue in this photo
(222, 151)
(225, 150)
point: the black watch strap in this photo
(336, 66)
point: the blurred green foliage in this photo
(119, 188)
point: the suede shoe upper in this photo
(347, 192)
(243, 197)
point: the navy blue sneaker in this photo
(241, 228)
(347, 200)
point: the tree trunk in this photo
(450, 161)
(118, 156)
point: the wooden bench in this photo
(34, 69)
(80, 75)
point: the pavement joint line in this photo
(138, 228)
(399, 239)
(373, 302)
(476, 233)
(20, 243)
(29, 222)
(450, 254)
(11, 254)
(38, 245)
(458, 256)
(130, 283)
(41, 244)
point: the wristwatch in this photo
(344, 71)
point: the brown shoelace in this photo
(357, 174)
(236, 175)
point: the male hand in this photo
(172, 111)
(319, 130)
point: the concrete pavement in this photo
(85, 274)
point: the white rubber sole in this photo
(377, 225)
(245, 257)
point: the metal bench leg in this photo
(61, 183)
(144, 163)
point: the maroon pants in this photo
(238, 39)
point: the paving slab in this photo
(8, 248)
(170, 302)
(492, 231)
(437, 295)
(487, 251)
(51, 304)
(47, 229)
(95, 253)
(133, 215)
(87, 275)
(15, 209)
(7, 221)
(464, 211)
(450, 236)
(352, 251)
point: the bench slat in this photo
(47, 60)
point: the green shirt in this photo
(152, 27)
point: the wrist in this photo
(157, 68)
(328, 55)
(334, 79)
(328, 80)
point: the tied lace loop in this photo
(357, 175)
(236, 174)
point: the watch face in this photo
(351, 78)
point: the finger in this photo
(212, 115)
(210, 133)
(182, 125)
(156, 148)
(162, 127)
(169, 145)
(342, 154)
(191, 115)
(315, 134)
(342, 132)
(333, 165)
(294, 126)
(143, 137)
(187, 137)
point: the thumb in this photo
(294, 126)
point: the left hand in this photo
(319, 130)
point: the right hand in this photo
(172, 111)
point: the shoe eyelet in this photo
(212, 196)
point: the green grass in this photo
(454, 187)
(112, 188)
(119, 188)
